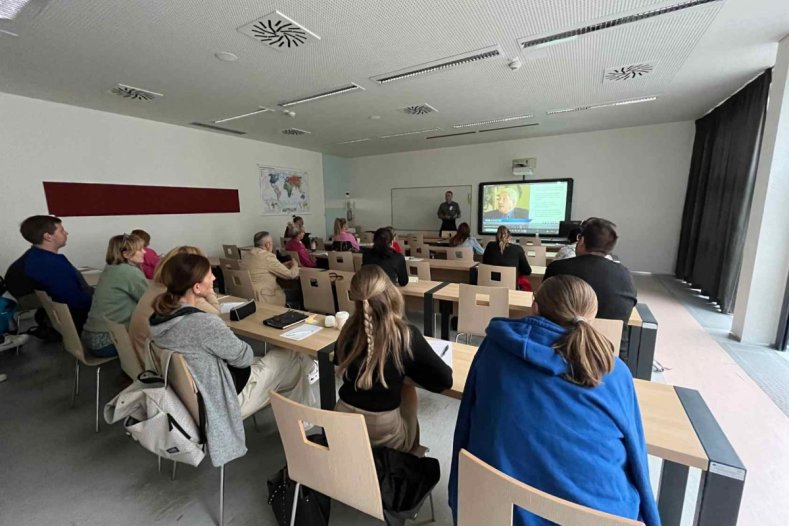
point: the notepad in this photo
(415, 259)
(301, 332)
(224, 308)
(443, 349)
(413, 279)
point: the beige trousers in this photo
(280, 370)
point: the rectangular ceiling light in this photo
(527, 43)
(604, 105)
(409, 133)
(510, 127)
(256, 112)
(451, 135)
(493, 121)
(217, 128)
(10, 8)
(339, 91)
(354, 140)
(439, 65)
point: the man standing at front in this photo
(448, 211)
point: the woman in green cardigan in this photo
(117, 293)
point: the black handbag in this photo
(313, 508)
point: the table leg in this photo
(429, 313)
(646, 345)
(445, 309)
(328, 388)
(671, 494)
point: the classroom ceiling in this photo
(602, 52)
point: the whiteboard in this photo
(416, 208)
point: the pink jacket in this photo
(347, 236)
(305, 258)
(149, 262)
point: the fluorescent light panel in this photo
(261, 110)
(339, 91)
(415, 132)
(10, 8)
(574, 33)
(439, 65)
(511, 127)
(217, 128)
(354, 140)
(493, 121)
(451, 135)
(604, 105)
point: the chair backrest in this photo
(294, 255)
(320, 244)
(119, 335)
(282, 242)
(420, 250)
(446, 234)
(62, 321)
(495, 276)
(612, 330)
(535, 255)
(231, 264)
(487, 496)
(345, 470)
(420, 269)
(417, 239)
(532, 242)
(317, 290)
(366, 237)
(473, 315)
(460, 253)
(179, 377)
(238, 283)
(341, 261)
(342, 286)
(358, 258)
(231, 251)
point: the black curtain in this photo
(720, 189)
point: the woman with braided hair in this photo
(377, 353)
(547, 402)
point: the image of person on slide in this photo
(448, 212)
(507, 198)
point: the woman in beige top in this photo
(139, 327)
(264, 269)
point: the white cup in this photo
(329, 321)
(342, 317)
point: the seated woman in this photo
(383, 255)
(342, 239)
(296, 224)
(140, 327)
(212, 351)
(264, 269)
(151, 259)
(295, 245)
(505, 254)
(462, 238)
(548, 403)
(117, 293)
(377, 351)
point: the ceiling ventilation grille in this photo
(130, 92)
(527, 43)
(630, 72)
(439, 65)
(294, 131)
(217, 128)
(278, 32)
(418, 109)
(604, 105)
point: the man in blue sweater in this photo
(49, 271)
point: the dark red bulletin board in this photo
(91, 199)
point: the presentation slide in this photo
(526, 208)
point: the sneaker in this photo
(13, 341)
(314, 375)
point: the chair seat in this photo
(95, 361)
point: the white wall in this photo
(45, 141)
(636, 177)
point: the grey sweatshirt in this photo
(207, 344)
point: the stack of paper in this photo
(301, 332)
(443, 349)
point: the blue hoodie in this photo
(582, 444)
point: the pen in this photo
(444, 352)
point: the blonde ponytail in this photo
(503, 237)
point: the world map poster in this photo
(284, 191)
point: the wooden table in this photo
(680, 429)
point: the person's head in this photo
(507, 198)
(448, 196)
(185, 249)
(263, 240)
(460, 237)
(598, 236)
(298, 221)
(125, 248)
(574, 234)
(142, 234)
(393, 232)
(340, 225)
(186, 278)
(375, 332)
(570, 302)
(44, 231)
(382, 241)
(299, 233)
(503, 237)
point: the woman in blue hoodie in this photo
(547, 403)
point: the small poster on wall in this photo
(284, 191)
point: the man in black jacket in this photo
(612, 282)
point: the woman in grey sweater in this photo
(232, 382)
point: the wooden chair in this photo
(320, 244)
(474, 314)
(294, 255)
(488, 496)
(344, 470)
(495, 276)
(62, 321)
(535, 255)
(366, 237)
(417, 239)
(317, 290)
(460, 253)
(358, 259)
(446, 234)
(531, 242)
(420, 251)
(282, 242)
(341, 261)
(420, 269)
(231, 264)
(231, 251)
(342, 286)
(130, 363)
(239, 283)
(611, 329)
